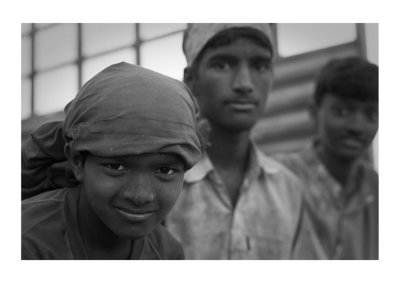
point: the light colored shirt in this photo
(344, 218)
(264, 224)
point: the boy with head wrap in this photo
(341, 187)
(237, 203)
(129, 136)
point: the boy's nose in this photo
(139, 190)
(242, 81)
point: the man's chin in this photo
(240, 125)
(135, 232)
(349, 155)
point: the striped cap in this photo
(197, 35)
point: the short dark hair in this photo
(226, 37)
(352, 78)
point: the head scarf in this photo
(126, 109)
(197, 36)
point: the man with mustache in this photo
(341, 187)
(237, 203)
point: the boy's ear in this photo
(75, 161)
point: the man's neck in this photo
(228, 148)
(229, 153)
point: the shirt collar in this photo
(267, 164)
(200, 170)
(257, 159)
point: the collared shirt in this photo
(263, 224)
(50, 230)
(344, 218)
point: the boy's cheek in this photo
(169, 195)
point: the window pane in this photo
(25, 28)
(300, 38)
(102, 37)
(26, 98)
(152, 30)
(165, 56)
(43, 25)
(53, 90)
(56, 45)
(25, 56)
(92, 66)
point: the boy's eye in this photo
(115, 168)
(262, 66)
(340, 111)
(221, 65)
(165, 171)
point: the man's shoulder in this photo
(44, 226)
(164, 245)
(53, 196)
(42, 209)
(275, 166)
(300, 163)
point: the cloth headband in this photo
(126, 109)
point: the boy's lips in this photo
(352, 143)
(242, 105)
(135, 214)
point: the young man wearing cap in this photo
(237, 203)
(341, 187)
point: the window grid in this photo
(80, 59)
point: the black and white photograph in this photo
(199, 141)
(203, 143)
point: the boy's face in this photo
(232, 82)
(132, 194)
(346, 127)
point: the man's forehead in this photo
(151, 156)
(239, 48)
(352, 101)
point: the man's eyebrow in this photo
(229, 57)
(173, 158)
(259, 57)
(226, 57)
